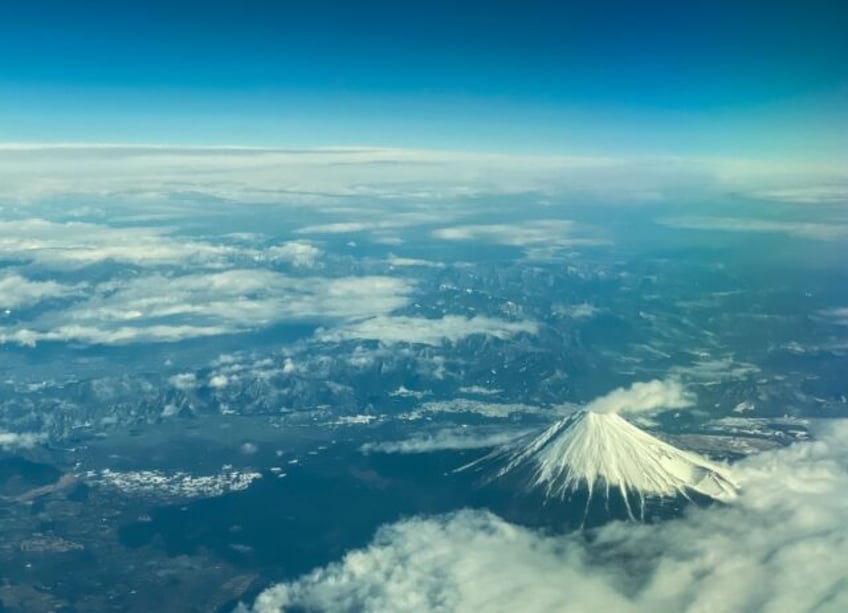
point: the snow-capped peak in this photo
(603, 450)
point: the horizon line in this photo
(352, 148)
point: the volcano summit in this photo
(602, 451)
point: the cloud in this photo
(318, 178)
(73, 244)
(583, 310)
(710, 370)
(536, 233)
(184, 381)
(347, 227)
(120, 335)
(384, 220)
(497, 410)
(19, 440)
(445, 439)
(262, 175)
(17, 291)
(643, 398)
(818, 194)
(394, 260)
(471, 561)
(479, 390)
(781, 546)
(219, 381)
(837, 316)
(301, 254)
(383, 225)
(158, 307)
(452, 328)
(811, 230)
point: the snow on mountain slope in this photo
(603, 451)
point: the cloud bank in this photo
(159, 307)
(37, 172)
(77, 244)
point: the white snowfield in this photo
(604, 450)
(161, 485)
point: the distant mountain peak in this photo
(603, 452)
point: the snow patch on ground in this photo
(161, 485)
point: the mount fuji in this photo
(601, 452)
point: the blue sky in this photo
(727, 78)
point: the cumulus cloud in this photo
(219, 381)
(158, 307)
(452, 328)
(811, 230)
(643, 398)
(781, 546)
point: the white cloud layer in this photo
(781, 546)
(811, 230)
(35, 172)
(643, 398)
(536, 233)
(71, 244)
(452, 328)
(17, 291)
(157, 307)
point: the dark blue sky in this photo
(534, 74)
